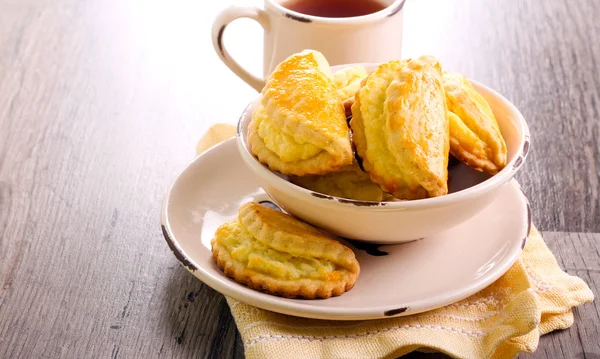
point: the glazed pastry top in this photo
(301, 101)
(300, 126)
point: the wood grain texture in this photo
(102, 102)
(544, 56)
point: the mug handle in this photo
(224, 18)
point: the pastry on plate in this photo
(351, 183)
(300, 127)
(347, 82)
(273, 252)
(475, 137)
(400, 128)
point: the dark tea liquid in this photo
(334, 8)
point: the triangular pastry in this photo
(271, 251)
(300, 127)
(400, 128)
(475, 137)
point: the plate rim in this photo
(272, 303)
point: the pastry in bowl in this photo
(350, 183)
(402, 220)
(300, 127)
(400, 128)
(271, 251)
(475, 137)
(347, 82)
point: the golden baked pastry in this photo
(300, 128)
(271, 251)
(400, 128)
(475, 137)
(351, 183)
(347, 82)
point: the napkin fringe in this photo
(311, 338)
(502, 306)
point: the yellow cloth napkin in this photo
(533, 298)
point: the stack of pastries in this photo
(406, 119)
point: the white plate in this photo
(394, 279)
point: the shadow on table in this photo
(198, 320)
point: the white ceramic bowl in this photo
(396, 222)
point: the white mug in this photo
(375, 37)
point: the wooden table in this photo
(102, 102)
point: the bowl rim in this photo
(505, 175)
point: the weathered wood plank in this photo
(95, 121)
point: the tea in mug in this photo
(334, 8)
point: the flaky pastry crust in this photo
(300, 128)
(273, 252)
(475, 137)
(400, 128)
